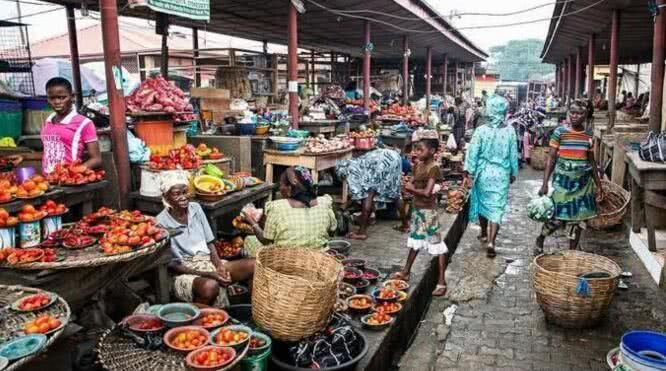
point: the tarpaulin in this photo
(192, 9)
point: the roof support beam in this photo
(292, 65)
(74, 56)
(612, 78)
(428, 81)
(405, 70)
(366, 67)
(657, 81)
(579, 72)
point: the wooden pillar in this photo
(366, 67)
(612, 78)
(292, 65)
(565, 76)
(657, 80)
(333, 59)
(313, 72)
(74, 56)
(112, 67)
(637, 80)
(590, 66)
(557, 78)
(579, 73)
(446, 73)
(572, 77)
(164, 60)
(195, 54)
(455, 80)
(428, 81)
(405, 71)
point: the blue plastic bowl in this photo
(247, 129)
(178, 314)
(287, 146)
(641, 346)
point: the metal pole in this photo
(579, 67)
(195, 47)
(557, 79)
(112, 67)
(312, 71)
(657, 81)
(563, 80)
(164, 60)
(74, 56)
(590, 67)
(572, 76)
(428, 80)
(472, 84)
(637, 80)
(612, 78)
(446, 73)
(366, 67)
(565, 76)
(292, 66)
(405, 71)
(455, 80)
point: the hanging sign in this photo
(192, 9)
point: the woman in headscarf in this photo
(571, 160)
(201, 275)
(491, 165)
(374, 181)
(299, 219)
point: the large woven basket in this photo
(539, 157)
(612, 208)
(293, 291)
(567, 300)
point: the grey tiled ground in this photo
(497, 323)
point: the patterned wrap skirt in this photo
(573, 191)
(184, 283)
(426, 232)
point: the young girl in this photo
(66, 134)
(425, 231)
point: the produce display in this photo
(34, 187)
(400, 110)
(455, 201)
(387, 308)
(183, 157)
(351, 274)
(51, 208)
(29, 214)
(43, 324)
(212, 184)
(15, 256)
(124, 237)
(102, 212)
(7, 220)
(34, 302)
(227, 337)
(360, 302)
(345, 290)
(370, 275)
(213, 319)
(363, 134)
(134, 216)
(208, 153)
(320, 144)
(187, 340)
(397, 285)
(378, 318)
(72, 174)
(386, 294)
(159, 95)
(240, 224)
(257, 342)
(213, 357)
(148, 325)
(226, 249)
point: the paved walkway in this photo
(490, 318)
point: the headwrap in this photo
(421, 134)
(303, 187)
(496, 107)
(171, 178)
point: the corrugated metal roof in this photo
(570, 29)
(322, 30)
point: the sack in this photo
(653, 148)
(451, 143)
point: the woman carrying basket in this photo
(572, 162)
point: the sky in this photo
(484, 38)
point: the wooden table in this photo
(79, 197)
(316, 163)
(228, 204)
(647, 194)
(319, 126)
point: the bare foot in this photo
(357, 236)
(440, 290)
(400, 276)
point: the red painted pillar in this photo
(579, 67)
(74, 56)
(446, 73)
(366, 67)
(428, 80)
(292, 66)
(612, 78)
(572, 77)
(565, 75)
(112, 67)
(405, 71)
(590, 67)
(657, 81)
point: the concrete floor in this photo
(494, 320)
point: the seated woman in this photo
(201, 274)
(299, 219)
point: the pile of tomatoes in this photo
(23, 256)
(29, 214)
(124, 236)
(35, 186)
(52, 208)
(213, 319)
(227, 337)
(74, 174)
(378, 318)
(188, 339)
(7, 220)
(226, 249)
(34, 302)
(212, 357)
(41, 325)
(184, 157)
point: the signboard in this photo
(192, 9)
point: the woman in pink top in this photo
(66, 134)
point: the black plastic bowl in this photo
(339, 246)
(351, 365)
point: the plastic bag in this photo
(451, 143)
(138, 151)
(540, 209)
(653, 148)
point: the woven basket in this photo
(294, 291)
(555, 281)
(612, 208)
(538, 158)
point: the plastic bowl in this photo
(287, 146)
(645, 347)
(178, 314)
(134, 320)
(207, 311)
(238, 346)
(358, 309)
(339, 246)
(351, 274)
(361, 285)
(370, 274)
(397, 285)
(192, 356)
(260, 350)
(343, 288)
(262, 129)
(171, 335)
(350, 365)
(355, 263)
(365, 318)
(375, 295)
(399, 308)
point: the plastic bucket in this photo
(7, 237)
(158, 135)
(11, 118)
(51, 224)
(258, 362)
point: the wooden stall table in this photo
(647, 194)
(314, 162)
(228, 204)
(319, 126)
(80, 197)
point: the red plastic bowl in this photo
(136, 319)
(206, 311)
(171, 334)
(190, 358)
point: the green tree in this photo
(518, 60)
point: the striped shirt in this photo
(571, 144)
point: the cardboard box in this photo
(210, 93)
(215, 104)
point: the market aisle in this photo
(497, 324)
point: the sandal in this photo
(358, 237)
(440, 290)
(490, 252)
(400, 276)
(482, 239)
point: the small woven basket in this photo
(294, 290)
(538, 158)
(568, 300)
(612, 208)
